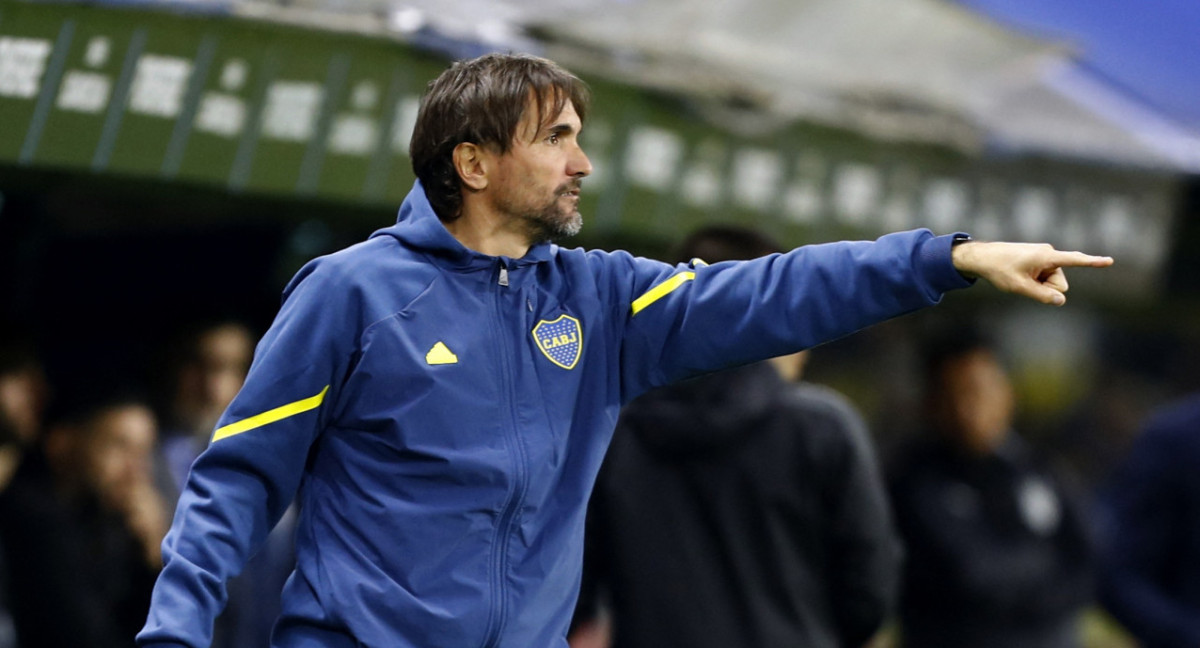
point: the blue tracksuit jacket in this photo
(443, 414)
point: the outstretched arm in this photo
(1034, 270)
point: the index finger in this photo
(1079, 260)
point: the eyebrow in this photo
(560, 129)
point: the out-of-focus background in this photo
(168, 163)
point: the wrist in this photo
(963, 251)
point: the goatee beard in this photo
(554, 226)
(551, 223)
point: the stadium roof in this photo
(997, 76)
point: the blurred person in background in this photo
(23, 396)
(207, 365)
(998, 551)
(741, 508)
(442, 393)
(23, 392)
(1150, 566)
(81, 524)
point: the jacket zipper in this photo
(516, 497)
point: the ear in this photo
(472, 163)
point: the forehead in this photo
(547, 114)
(125, 423)
(979, 362)
(224, 343)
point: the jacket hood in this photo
(707, 414)
(418, 227)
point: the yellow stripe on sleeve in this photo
(661, 290)
(270, 416)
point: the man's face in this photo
(537, 182)
(208, 384)
(116, 453)
(22, 398)
(978, 400)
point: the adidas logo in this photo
(440, 354)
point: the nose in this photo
(579, 164)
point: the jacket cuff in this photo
(937, 266)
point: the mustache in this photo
(573, 185)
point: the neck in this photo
(489, 233)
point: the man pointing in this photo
(441, 395)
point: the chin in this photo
(562, 225)
(573, 224)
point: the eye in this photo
(553, 139)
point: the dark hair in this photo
(481, 101)
(18, 352)
(949, 342)
(79, 405)
(716, 243)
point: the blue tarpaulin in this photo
(1150, 50)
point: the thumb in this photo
(1056, 279)
(1031, 287)
(1045, 293)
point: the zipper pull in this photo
(503, 276)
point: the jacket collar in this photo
(418, 226)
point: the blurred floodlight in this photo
(406, 20)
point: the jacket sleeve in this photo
(242, 483)
(695, 318)
(1145, 512)
(865, 546)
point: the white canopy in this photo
(920, 70)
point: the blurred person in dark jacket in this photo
(998, 552)
(81, 524)
(23, 393)
(1150, 571)
(739, 509)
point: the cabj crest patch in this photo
(560, 340)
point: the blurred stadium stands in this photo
(187, 156)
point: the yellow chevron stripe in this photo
(661, 290)
(270, 416)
